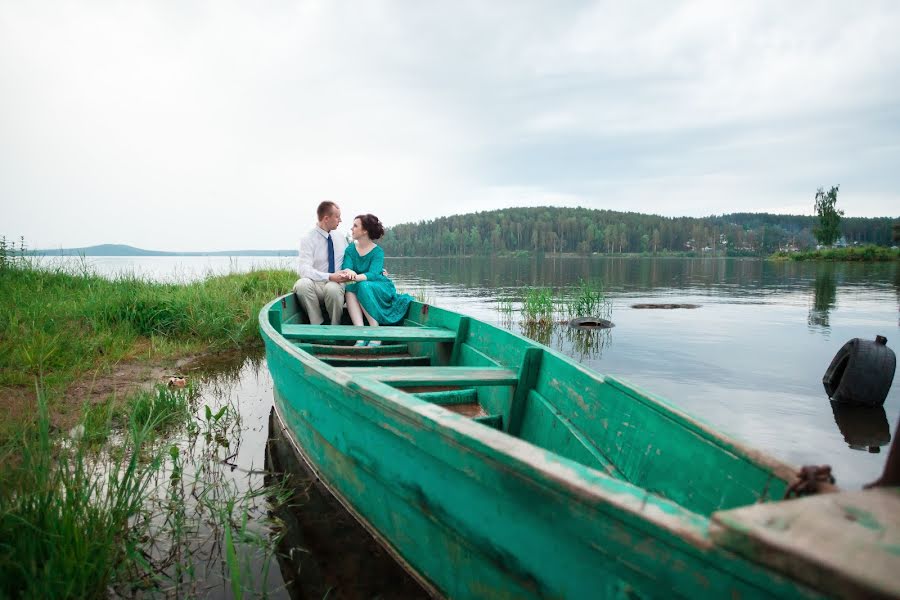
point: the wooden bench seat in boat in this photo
(351, 332)
(333, 349)
(437, 376)
(847, 543)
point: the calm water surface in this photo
(749, 361)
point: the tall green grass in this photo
(80, 519)
(543, 305)
(68, 524)
(538, 306)
(56, 323)
(588, 300)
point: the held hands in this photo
(344, 275)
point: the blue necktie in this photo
(330, 254)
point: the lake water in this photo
(748, 360)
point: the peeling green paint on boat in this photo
(863, 517)
(591, 489)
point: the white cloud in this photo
(215, 125)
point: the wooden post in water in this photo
(891, 475)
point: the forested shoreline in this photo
(585, 231)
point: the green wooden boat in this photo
(491, 466)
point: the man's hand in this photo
(342, 276)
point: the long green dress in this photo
(377, 293)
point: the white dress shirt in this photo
(314, 253)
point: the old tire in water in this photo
(590, 323)
(861, 372)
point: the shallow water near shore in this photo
(748, 360)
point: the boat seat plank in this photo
(846, 543)
(351, 332)
(384, 360)
(437, 376)
(445, 397)
(495, 421)
(326, 349)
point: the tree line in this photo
(586, 231)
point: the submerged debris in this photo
(665, 306)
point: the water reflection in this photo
(824, 297)
(863, 427)
(211, 488)
(323, 551)
(586, 343)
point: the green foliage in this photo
(589, 301)
(80, 521)
(538, 306)
(514, 231)
(159, 408)
(851, 254)
(10, 256)
(829, 228)
(56, 323)
(66, 526)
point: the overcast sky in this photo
(181, 125)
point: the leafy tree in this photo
(829, 228)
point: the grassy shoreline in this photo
(84, 509)
(76, 332)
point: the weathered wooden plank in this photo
(350, 332)
(528, 372)
(320, 349)
(462, 331)
(376, 361)
(846, 543)
(436, 376)
(495, 421)
(444, 397)
(545, 426)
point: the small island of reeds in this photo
(869, 253)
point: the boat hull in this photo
(475, 513)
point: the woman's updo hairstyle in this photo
(372, 225)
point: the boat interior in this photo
(512, 384)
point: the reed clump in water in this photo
(112, 508)
(538, 306)
(70, 525)
(543, 305)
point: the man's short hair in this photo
(325, 208)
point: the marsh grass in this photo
(81, 517)
(538, 306)
(65, 521)
(588, 300)
(546, 313)
(58, 323)
(161, 407)
(543, 305)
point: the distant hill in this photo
(124, 250)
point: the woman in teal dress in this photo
(369, 292)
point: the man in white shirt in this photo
(321, 257)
